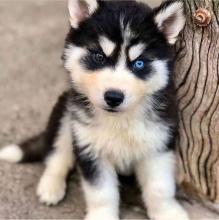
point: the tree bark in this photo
(197, 84)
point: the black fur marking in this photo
(171, 146)
(34, 149)
(38, 148)
(164, 104)
(106, 21)
(87, 163)
(90, 64)
(70, 97)
(81, 102)
(54, 124)
(166, 108)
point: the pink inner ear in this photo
(166, 26)
(81, 15)
(84, 13)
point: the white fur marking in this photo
(51, 189)
(103, 197)
(137, 137)
(11, 153)
(73, 54)
(92, 5)
(159, 77)
(135, 51)
(156, 177)
(52, 185)
(107, 45)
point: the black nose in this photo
(114, 98)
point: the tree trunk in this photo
(197, 83)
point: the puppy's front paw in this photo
(100, 214)
(172, 211)
(51, 189)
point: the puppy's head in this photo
(118, 52)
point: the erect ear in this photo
(170, 19)
(79, 10)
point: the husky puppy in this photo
(119, 116)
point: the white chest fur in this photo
(123, 139)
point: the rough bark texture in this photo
(197, 82)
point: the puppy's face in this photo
(119, 52)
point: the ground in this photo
(31, 77)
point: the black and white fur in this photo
(105, 138)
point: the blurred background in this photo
(32, 34)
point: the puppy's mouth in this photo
(111, 110)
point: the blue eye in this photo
(138, 65)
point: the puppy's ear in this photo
(79, 10)
(170, 19)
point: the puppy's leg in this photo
(156, 177)
(100, 187)
(52, 185)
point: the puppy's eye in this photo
(99, 58)
(138, 65)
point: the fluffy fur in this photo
(119, 116)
